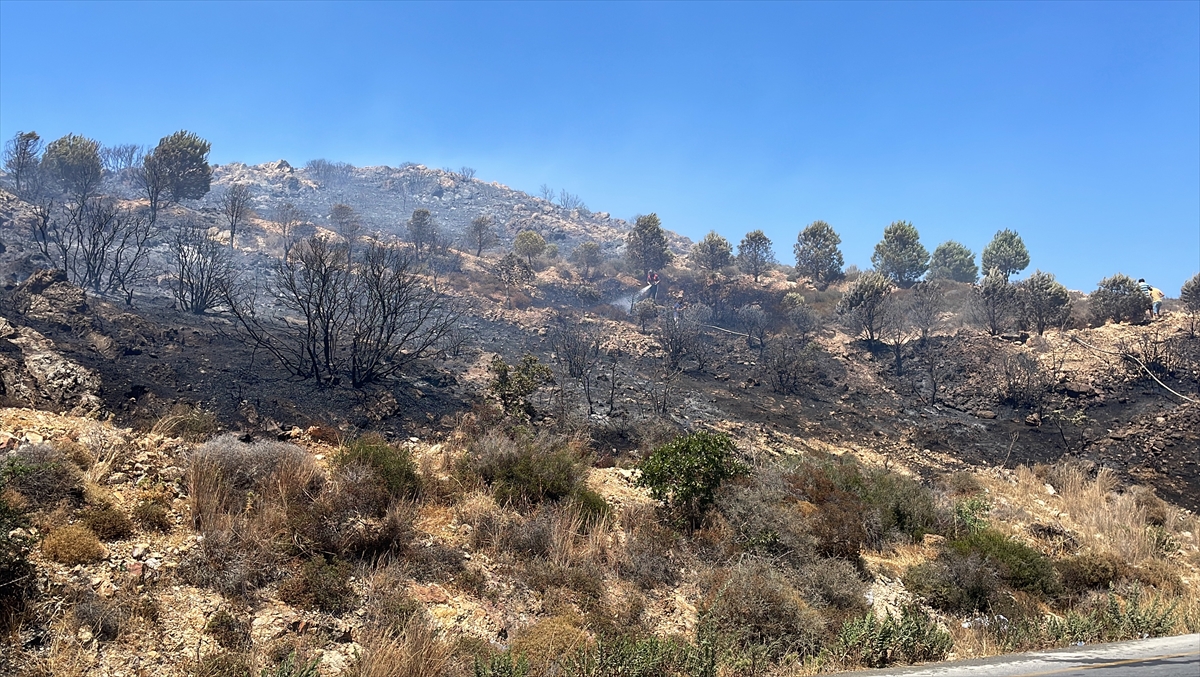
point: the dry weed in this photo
(417, 651)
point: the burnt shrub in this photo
(393, 465)
(42, 475)
(755, 608)
(107, 522)
(525, 470)
(72, 544)
(320, 584)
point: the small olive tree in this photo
(1119, 299)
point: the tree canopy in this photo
(755, 254)
(712, 253)
(646, 245)
(529, 245)
(953, 261)
(1006, 253)
(817, 253)
(1044, 301)
(73, 162)
(181, 160)
(900, 255)
(588, 255)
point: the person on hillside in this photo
(1144, 286)
(1156, 301)
(652, 280)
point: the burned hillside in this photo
(342, 419)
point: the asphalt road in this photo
(1163, 657)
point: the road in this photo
(1163, 657)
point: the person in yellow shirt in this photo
(1156, 301)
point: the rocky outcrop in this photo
(34, 374)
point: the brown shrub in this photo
(43, 475)
(152, 516)
(73, 544)
(1091, 571)
(229, 631)
(320, 584)
(548, 641)
(107, 522)
(755, 607)
(1159, 574)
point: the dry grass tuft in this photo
(416, 651)
(73, 544)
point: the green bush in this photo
(878, 643)
(1119, 299)
(502, 665)
(686, 473)
(525, 470)
(321, 584)
(624, 657)
(591, 506)
(393, 465)
(1018, 565)
(955, 583)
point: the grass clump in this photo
(72, 544)
(393, 465)
(42, 475)
(524, 470)
(320, 584)
(152, 515)
(1114, 617)
(107, 522)
(547, 643)
(224, 664)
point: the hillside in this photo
(190, 505)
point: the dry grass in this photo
(417, 651)
(73, 544)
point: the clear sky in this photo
(1076, 124)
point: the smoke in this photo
(626, 302)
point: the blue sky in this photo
(1076, 124)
